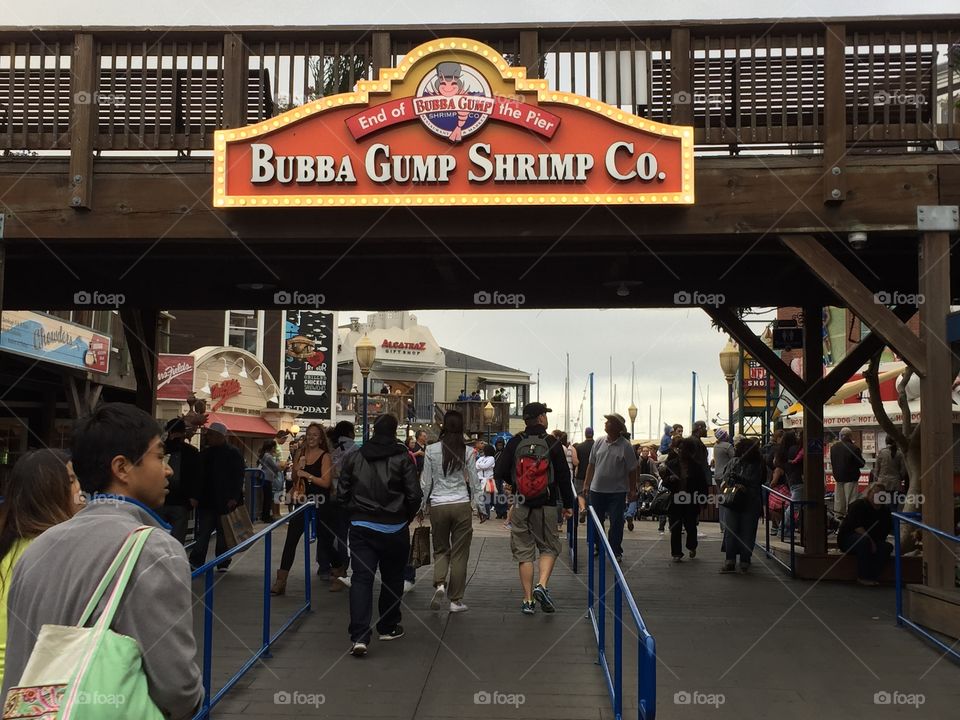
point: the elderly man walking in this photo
(611, 473)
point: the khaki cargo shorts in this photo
(533, 529)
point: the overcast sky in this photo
(314, 12)
(665, 345)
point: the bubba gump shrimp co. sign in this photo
(453, 124)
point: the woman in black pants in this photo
(686, 478)
(312, 471)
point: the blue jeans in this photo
(631, 511)
(792, 510)
(612, 505)
(739, 534)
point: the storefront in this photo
(238, 389)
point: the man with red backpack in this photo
(533, 468)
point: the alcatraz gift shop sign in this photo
(453, 124)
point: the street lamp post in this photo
(366, 354)
(488, 417)
(632, 412)
(729, 358)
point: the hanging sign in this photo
(453, 124)
(308, 363)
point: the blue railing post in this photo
(793, 541)
(207, 641)
(267, 563)
(590, 562)
(897, 568)
(602, 612)
(618, 651)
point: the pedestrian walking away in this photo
(533, 469)
(686, 478)
(221, 490)
(184, 489)
(379, 491)
(451, 487)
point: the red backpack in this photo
(532, 469)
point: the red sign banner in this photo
(174, 376)
(453, 124)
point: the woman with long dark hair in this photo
(686, 478)
(272, 481)
(312, 479)
(450, 485)
(789, 458)
(42, 492)
(748, 471)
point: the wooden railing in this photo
(802, 85)
(472, 411)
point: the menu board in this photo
(309, 367)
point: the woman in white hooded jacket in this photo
(485, 466)
(451, 487)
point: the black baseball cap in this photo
(534, 410)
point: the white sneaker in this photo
(438, 595)
(359, 649)
(458, 606)
(701, 534)
(408, 586)
(346, 580)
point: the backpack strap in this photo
(111, 572)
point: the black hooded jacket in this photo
(379, 483)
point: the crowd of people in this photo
(64, 516)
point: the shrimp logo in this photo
(454, 101)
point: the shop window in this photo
(244, 330)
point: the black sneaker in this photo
(541, 595)
(630, 524)
(528, 607)
(394, 634)
(359, 649)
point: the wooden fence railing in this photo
(737, 84)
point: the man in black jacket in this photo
(221, 490)
(532, 527)
(380, 491)
(583, 456)
(846, 459)
(184, 483)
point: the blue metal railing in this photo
(911, 519)
(646, 646)
(795, 520)
(210, 699)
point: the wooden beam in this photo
(726, 318)
(381, 51)
(850, 290)
(814, 515)
(826, 386)
(936, 427)
(681, 77)
(141, 328)
(84, 81)
(834, 115)
(235, 67)
(530, 52)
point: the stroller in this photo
(646, 495)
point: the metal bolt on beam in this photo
(835, 194)
(835, 170)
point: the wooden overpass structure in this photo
(817, 142)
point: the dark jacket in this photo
(751, 473)
(861, 513)
(222, 469)
(561, 486)
(694, 481)
(583, 455)
(379, 483)
(185, 483)
(846, 459)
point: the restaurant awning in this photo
(243, 424)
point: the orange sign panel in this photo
(453, 124)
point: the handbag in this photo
(420, 547)
(88, 673)
(733, 497)
(236, 526)
(661, 503)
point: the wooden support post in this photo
(235, 69)
(727, 319)
(141, 328)
(936, 427)
(530, 52)
(84, 84)
(681, 79)
(382, 53)
(834, 115)
(858, 298)
(814, 516)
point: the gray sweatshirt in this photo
(56, 576)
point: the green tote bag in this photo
(88, 673)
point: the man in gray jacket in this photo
(119, 458)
